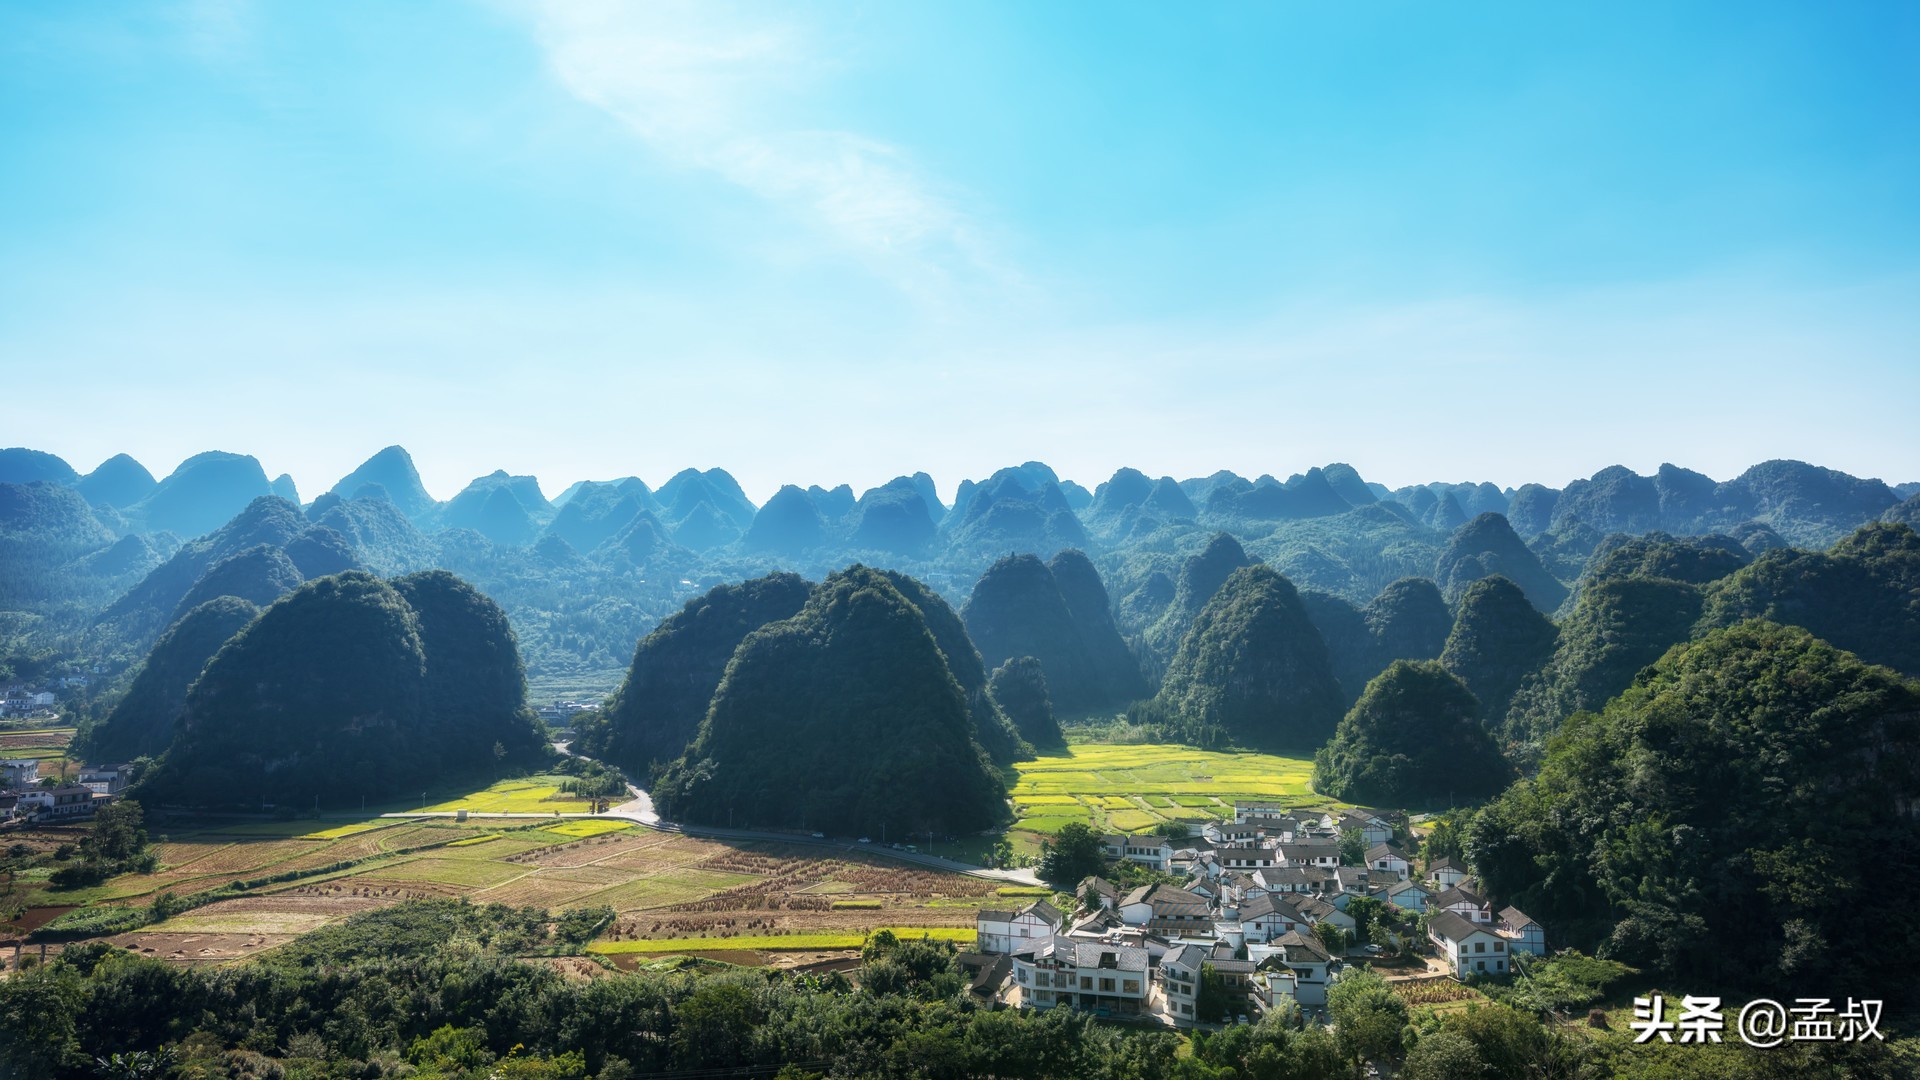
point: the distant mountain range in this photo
(118, 555)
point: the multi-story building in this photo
(1097, 976)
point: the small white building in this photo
(1000, 932)
(1446, 874)
(1312, 966)
(1465, 903)
(1522, 933)
(19, 772)
(1468, 949)
(1385, 857)
(1408, 895)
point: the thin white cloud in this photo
(708, 87)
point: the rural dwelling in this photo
(1165, 909)
(1312, 967)
(1258, 813)
(1152, 852)
(1465, 903)
(21, 773)
(1408, 895)
(985, 974)
(58, 803)
(1446, 874)
(1522, 933)
(1311, 853)
(1373, 830)
(1274, 986)
(1247, 858)
(1101, 978)
(1468, 949)
(105, 779)
(1316, 910)
(1180, 982)
(1230, 834)
(1106, 892)
(1387, 857)
(1265, 916)
(1002, 932)
(1284, 879)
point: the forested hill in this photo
(99, 564)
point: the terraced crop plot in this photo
(534, 795)
(1134, 788)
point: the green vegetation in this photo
(1253, 671)
(856, 667)
(1019, 688)
(1413, 739)
(1498, 638)
(144, 721)
(1018, 608)
(1737, 817)
(343, 690)
(676, 668)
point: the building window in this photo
(1086, 982)
(1106, 986)
(1481, 964)
(1499, 946)
(1133, 986)
(1479, 946)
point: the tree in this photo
(1366, 913)
(1331, 936)
(1073, 853)
(1353, 846)
(1367, 1016)
(118, 836)
(1212, 1003)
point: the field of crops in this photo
(799, 942)
(1134, 788)
(534, 795)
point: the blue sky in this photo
(835, 242)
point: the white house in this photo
(1106, 892)
(1311, 853)
(1265, 916)
(1007, 931)
(1408, 895)
(104, 779)
(1258, 813)
(1388, 858)
(1166, 909)
(1097, 976)
(1316, 910)
(1465, 903)
(1445, 874)
(1153, 852)
(1469, 949)
(1522, 933)
(19, 772)
(1310, 963)
(1180, 982)
(1247, 858)
(1373, 830)
(68, 801)
(1228, 833)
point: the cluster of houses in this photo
(20, 700)
(1251, 896)
(24, 797)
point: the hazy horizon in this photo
(826, 243)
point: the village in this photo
(1263, 907)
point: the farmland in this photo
(276, 880)
(1121, 788)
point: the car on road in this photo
(819, 836)
(1374, 950)
(866, 840)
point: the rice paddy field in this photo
(1122, 788)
